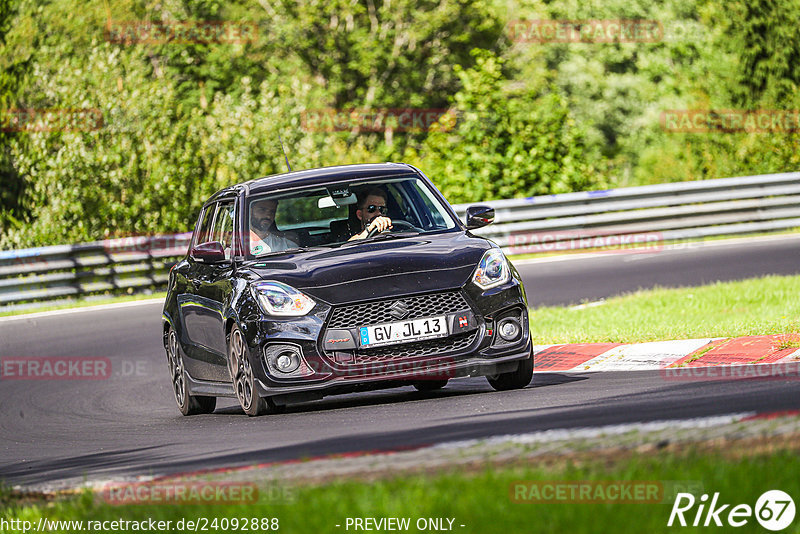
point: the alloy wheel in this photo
(176, 368)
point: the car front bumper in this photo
(477, 351)
(468, 367)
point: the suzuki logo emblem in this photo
(398, 310)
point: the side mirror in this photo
(478, 216)
(211, 252)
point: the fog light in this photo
(287, 361)
(509, 329)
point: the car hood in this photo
(377, 269)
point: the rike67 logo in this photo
(774, 511)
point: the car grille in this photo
(377, 312)
(415, 349)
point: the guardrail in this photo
(46, 273)
(615, 217)
(645, 214)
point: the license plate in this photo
(403, 331)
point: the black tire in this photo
(187, 404)
(430, 385)
(241, 371)
(516, 379)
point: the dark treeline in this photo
(108, 130)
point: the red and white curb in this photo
(656, 355)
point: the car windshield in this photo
(332, 215)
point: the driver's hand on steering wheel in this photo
(379, 224)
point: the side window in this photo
(430, 210)
(223, 226)
(203, 234)
(437, 219)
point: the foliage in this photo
(181, 120)
(504, 143)
(768, 50)
(13, 68)
(390, 54)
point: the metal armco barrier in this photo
(46, 273)
(645, 214)
(615, 217)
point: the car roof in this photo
(318, 176)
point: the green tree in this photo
(13, 69)
(506, 142)
(389, 54)
(751, 63)
(763, 35)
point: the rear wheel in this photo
(243, 379)
(187, 404)
(430, 385)
(516, 379)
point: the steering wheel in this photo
(401, 223)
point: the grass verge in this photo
(481, 500)
(756, 306)
(82, 303)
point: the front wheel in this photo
(516, 379)
(243, 379)
(187, 404)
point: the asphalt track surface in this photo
(566, 280)
(60, 432)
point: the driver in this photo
(264, 237)
(372, 212)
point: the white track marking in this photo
(643, 356)
(793, 357)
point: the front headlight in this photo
(492, 270)
(282, 300)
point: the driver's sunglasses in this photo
(373, 208)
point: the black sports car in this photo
(337, 280)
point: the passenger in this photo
(264, 236)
